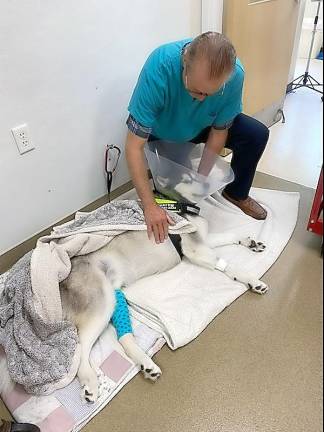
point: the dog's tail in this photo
(6, 383)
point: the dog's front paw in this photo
(254, 246)
(163, 181)
(186, 178)
(89, 395)
(150, 370)
(200, 188)
(258, 287)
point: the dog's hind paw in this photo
(89, 385)
(89, 395)
(150, 370)
(254, 246)
(258, 287)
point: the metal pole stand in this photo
(306, 80)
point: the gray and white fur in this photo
(88, 294)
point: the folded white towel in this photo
(183, 301)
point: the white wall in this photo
(68, 70)
(212, 15)
(302, 6)
(311, 9)
(308, 11)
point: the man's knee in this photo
(257, 132)
(262, 134)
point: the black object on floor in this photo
(7, 426)
(306, 80)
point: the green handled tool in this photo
(175, 206)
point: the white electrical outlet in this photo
(22, 138)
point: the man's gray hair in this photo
(217, 49)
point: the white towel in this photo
(183, 301)
(179, 303)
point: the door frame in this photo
(212, 20)
(212, 15)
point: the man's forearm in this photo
(157, 220)
(215, 144)
(138, 171)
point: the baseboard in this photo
(272, 114)
(13, 255)
(225, 152)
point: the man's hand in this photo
(157, 221)
(215, 144)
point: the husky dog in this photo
(88, 294)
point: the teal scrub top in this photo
(162, 104)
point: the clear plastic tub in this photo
(174, 167)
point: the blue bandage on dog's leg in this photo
(121, 319)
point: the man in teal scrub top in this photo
(191, 90)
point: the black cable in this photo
(109, 173)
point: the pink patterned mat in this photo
(64, 411)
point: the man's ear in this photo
(184, 57)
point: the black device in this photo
(176, 206)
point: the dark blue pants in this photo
(247, 139)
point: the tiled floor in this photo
(256, 368)
(295, 149)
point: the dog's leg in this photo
(204, 256)
(150, 370)
(214, 240)
(89, 332)
(224, 239)
(247, 279)
(88, 301)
